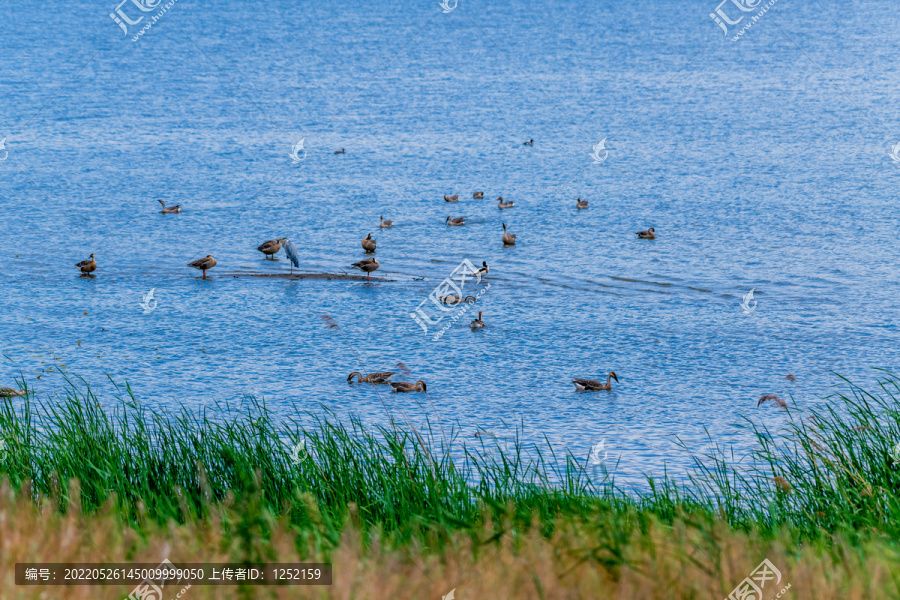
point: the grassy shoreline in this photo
(825, 493)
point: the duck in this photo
(509, 239)
(204, 264)
(6, 392)
(270, 248)
(405, 386)
(528, 143)
(453, 299)
(501, 204)
(456, 222)
(171, 209)
(87, 266)
(371, 377)
(650, 234)
(482, 271)
(593, 385)
(453, 198)
(478, 195)
(368, 244)
(580, 204)
(367, 266)
(477, 323)
(341, 151)
(387, 223)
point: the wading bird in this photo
(478, 195)
(371, 377)
(203, 264)
(456, 222)
(453, 198)
(580, 204)
(171, 209)
(592, 385)
(270, 248)
(368, 244)
(291, 252)
(404, 386)
(650, 234)
(477, 323)
(87, 266)
(387, 223)
(367, 266)
(509, 239)
(501, 204)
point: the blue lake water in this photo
(762, 164)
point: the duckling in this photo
(509, 239)
(204, 264)
(580, 204)
(650, 234)
(404, 386)
(368, 244)
(593, 385)
(387, 223)
(171, 209)
(341, 151)
(367, 266)
(371, 377)
(6, 392)
(456, 222)
(528, 143)
(87, 266)
(477, 323)
(453, 198)
(501, 204)
(478, 195)
(270, 248)
(453, 299)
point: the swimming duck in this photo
(509, 239)
(368, 244)
(387, 223)
(650, 234)
(453, 299)
(579, 203)
(477, 323)
(10, 392)
(341, 151)
(404, 386)
(593, 385)
(367, 266)
(453, 198)
(528, 143)
(478, 195)
(171, 209)
(482, 271)
(270, 248)
(501, 204)
(204, 264)
(457, 221)
(371, 377)
(87, 266)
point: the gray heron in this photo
(291, 251)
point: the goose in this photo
(509, 239)
(650, 234)
(482, 271)
(204, 264)
(387, 223)
(368, 244)
(579, 203)
(592, 385)
(456, 222)
(171, 209)
(367, 266)
(501, 204)
(404, 386)
(341, 151)
(87, 266)
(477, 323)
(270, 248)
(528, 143)
(478, 195)
(10, 392)
(453, 299)
(371, 377)
(453, 198)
